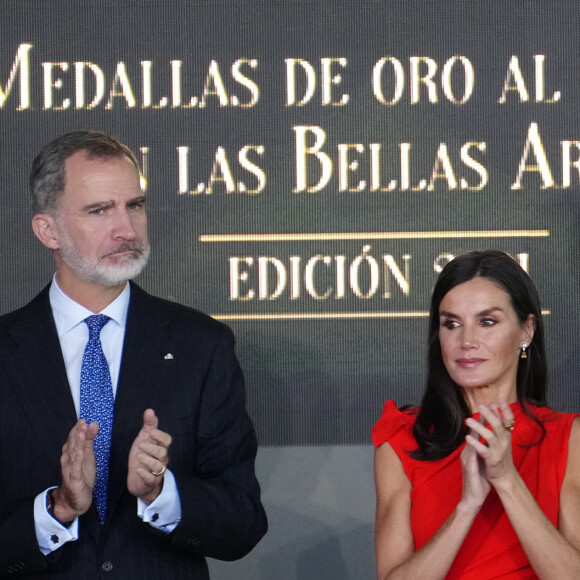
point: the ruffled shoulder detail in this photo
(395, 422)
(546, 414)
(554, 421)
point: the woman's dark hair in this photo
(439, 428)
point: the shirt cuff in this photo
(50, 533)
(164, 513)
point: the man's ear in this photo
(46, 230)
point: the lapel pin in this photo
(168, 356)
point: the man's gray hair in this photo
(47, 176)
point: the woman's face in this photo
(481, 337)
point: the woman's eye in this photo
(450, 324)
(487, 322)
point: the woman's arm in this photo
(394, 547)
(569, 515)
(553, 553)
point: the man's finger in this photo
(92, 431)
(150, 419)
(161, 438)
(157, 451)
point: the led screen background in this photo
(310, 166)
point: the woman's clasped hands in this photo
(487, 457)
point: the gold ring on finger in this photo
(163, 470)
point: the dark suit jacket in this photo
(199, 398)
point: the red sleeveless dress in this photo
(491, 548)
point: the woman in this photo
(483, 481)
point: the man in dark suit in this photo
(180, 450)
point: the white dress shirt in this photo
(165, 512)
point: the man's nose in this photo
(124, 228)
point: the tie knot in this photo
(95, 324)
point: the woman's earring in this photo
(524, 354)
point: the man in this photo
(155, 392)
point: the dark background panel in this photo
(318, 380)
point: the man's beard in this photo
(94, 270)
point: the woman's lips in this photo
(469, 363)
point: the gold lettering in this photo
(402, 280)
(309, 277)
(221, 171)
(475, 165)
(243, 80)
(252, 168)
(50, 84)
(534, 146)
(566, 163)
(302, 153)
(236, 277)
(398, 84)
(214, 86)
(20, 64)
(121, 87)
(264, 292)
(469, 79)
(146, 66)
(442, 161)
(416, 79)
(328, 80)
(345, 166)
(310, 81)
(514, 81)
(99, 78)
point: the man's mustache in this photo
(126, 247)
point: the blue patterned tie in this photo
(97, 404)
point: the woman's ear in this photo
(529, 328)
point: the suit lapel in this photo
(142, 370)
(36, 369)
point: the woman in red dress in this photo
(483, 480)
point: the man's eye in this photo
(137, 204)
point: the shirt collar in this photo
(67, 313)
